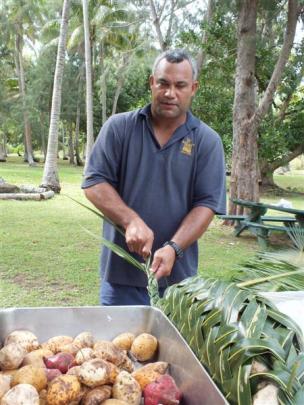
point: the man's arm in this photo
(139, 237)
(192, 227)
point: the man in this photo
(159, 173)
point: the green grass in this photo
(47, 259)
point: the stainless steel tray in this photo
(107, 322)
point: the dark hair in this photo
(176, 56)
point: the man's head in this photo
(173, 84)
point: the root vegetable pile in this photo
(85, 371)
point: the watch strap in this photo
(178, 250)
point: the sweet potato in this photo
(59, 361)
(11, 356)
(25, 338)
(144, 347)
(127, 389)
(52, 373)
(163, 391)
(30, 375)
(63, 390)
(149, 373)
(21, 394)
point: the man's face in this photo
(172, 88)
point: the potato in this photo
(94, 372)
(108, 351)
(11, 356)
(63, 390)
(71, 348)
(124, 341)
(84, 339)
(60, 361)
(113, 372)
(127, 364)
(25, 338)
(83, 355)
(56, 343)
(30, 375)
(149, 373)
(5, 384)
(22, 394)
(73, 370)
(35, 358)
(97, 395)
(127, 389)
(144, 347)
(113, 401)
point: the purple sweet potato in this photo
(163, 391)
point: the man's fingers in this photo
(156, 263)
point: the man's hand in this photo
(163, 262)
(139, 237)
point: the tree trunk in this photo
(156, 23)
(246, 117)
(201, 56)
(64, 156)
(27, 127)
(77, 154)
(120, 81)
(50, 174)
(89, 92)
(244, 179)
(103, 86)
(71, 146)
(2, 149)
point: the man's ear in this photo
(195, 86)
(151, 80)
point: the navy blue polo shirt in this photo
(161, 184)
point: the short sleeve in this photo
(104, 161)
(210, 177)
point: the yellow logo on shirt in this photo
(187, 147)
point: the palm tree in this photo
(89, 93)
(50, 178)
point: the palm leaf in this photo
(118, 250)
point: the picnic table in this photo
(260, 224)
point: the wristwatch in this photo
(178, 250)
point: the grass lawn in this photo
(47, 258)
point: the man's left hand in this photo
(163, 262)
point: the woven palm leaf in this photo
(228, 328)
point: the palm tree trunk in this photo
(50, 178)
(21, 79)
(76, 145)
(89, 93)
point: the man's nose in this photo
(170, 92)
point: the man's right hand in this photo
(139, 237)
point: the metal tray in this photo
(107, 322)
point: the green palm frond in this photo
(118, 250)
(296, 234)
